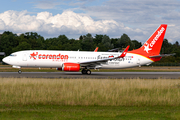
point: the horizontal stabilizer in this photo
(163, 55)
(114, 50)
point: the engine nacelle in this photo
(71, 67)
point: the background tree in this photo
(98, 39)
(75, 45)
(8, 41)
(136, 44)
(22, 46)
(106, 44)
(87, 43)
(114, 42)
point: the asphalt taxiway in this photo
(101, 75)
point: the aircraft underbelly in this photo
(41, 63)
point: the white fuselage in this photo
(49, 58)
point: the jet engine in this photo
(74, 67)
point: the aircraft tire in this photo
(19, 71)
(84, 71)
(88, 72)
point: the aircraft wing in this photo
(96, 62)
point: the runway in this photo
(101, 75)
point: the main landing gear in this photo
(84, 71)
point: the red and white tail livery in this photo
(85, 60)
(153, 45)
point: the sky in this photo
(51, 18)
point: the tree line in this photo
(10, 42)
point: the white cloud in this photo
(145, 15)
(68, 23)
(2, 25)
(75, 24)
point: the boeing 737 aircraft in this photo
(84, 60)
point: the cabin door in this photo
(24, 57)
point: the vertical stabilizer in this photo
(153, 44)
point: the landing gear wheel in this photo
(88, 72)
(19, 71)
(83, 71)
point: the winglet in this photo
(124, 52)
(96, 49)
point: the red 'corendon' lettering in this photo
(48, 56)
(157, 37)
(54, 57)
(39, 56)
(58, 56)
(43, 56)
(62, 56)
(66, 56)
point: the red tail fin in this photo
(153, 44)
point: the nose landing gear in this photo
(19, 71)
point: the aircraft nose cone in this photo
(5, 60)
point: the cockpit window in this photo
(13, 55)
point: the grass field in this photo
(52, 112)
(32, 98)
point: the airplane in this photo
(85, 60)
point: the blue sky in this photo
(50, 18)
(52, 6)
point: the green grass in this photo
(89, 112)
(32, 98)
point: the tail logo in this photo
(146, 48)
(149, 46)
